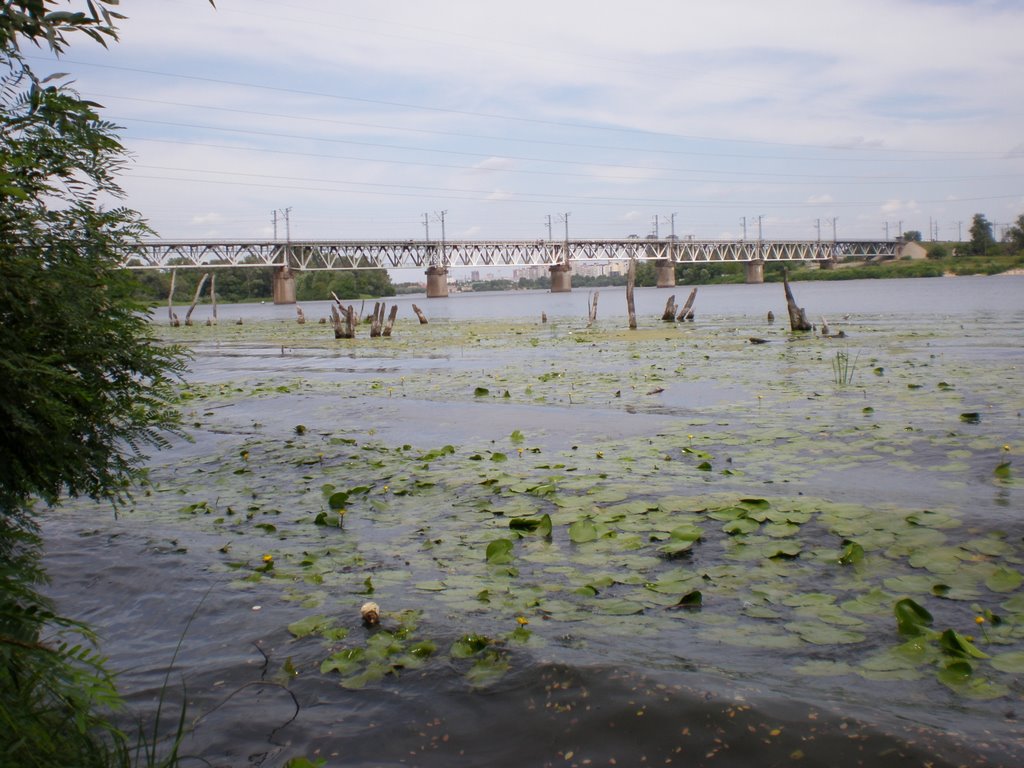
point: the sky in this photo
(789, 119)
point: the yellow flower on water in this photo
(600, 454)
(1006, 447)
(387, 488)
(520, 451)
(268, 558)
(979, 620)
(522, 621)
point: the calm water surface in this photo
(629, 690)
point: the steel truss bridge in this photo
(408, 254)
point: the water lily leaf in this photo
(971, 418)
(371, 674)
(1002, 470)
(516, 437)
(676, 547)
(338, 500)
(852, 553)
(741, 526)
(911, 618)
(481, 392)
(499, 551)
(1004, 579)
(955, 673)
(488, 669)
(1012, 662)
(469, 645)
(619, 607)
(955, 644)
(539, 525)
(824, 634)
(691, 600)
(583, 531)
(310, 625)
(345, 661)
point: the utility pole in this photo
(275, 223)
(426, 225)
(565, 217)
(550, 236)
(834, 229)
(656, 226)
(288, 225)
(960, 231)
(759, 238)
(671, 219)
(817, 226)
(887, 230)
(444, 258)
(743, 221)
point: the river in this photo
(590, 545)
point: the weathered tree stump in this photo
(173, 318)
(543, 317)
(213, 298)
(592, 307)
(797, 317)
(686, 313)
(669, 315)
(195, 299)
(301, 319)
(824, 326)
(771, 316)
(419, 314)
(630, 306)
(391, 320)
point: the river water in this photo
(507, 643)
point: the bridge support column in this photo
(284, 286)
(561, 278)
(755, 271)
(827, 264)
(437, 282)
(665, 270)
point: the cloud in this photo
(820, 199)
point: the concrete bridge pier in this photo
(284, 286)
(561, 278)
(665, 270)
(437, 282)
(827, 264)
(754, 271)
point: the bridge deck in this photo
(408, 254)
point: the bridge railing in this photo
(408, 254)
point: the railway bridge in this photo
(437, 258)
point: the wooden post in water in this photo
(419, 314)
(686, 313)
(797, 317)
(592, 307)
(300, 315)
(195, 299)
(171, 316)
(630, 306)
(213, 297)
(377, 320)
(669, 315)
(391, 320)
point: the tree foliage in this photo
(1015, 234)
(83, 387)
(981, 234)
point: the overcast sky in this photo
(363, 117)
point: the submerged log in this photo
(419, 314)
(686, 313)
(797, 317)
(195, 299)
(669, 315)
(630, 306)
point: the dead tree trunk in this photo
(378, 319)
(824, 326)
(630, 306)
(391, 320)
(543, 317)
(419, 314)
(195, 299)
(669, 315)
(686, 313)
(213, 297)
(592, 307)
(797, 317)
(350, 322)
(171, 316)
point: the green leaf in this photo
(582, 531)
(481, 392)
(911, 618)
(852, 553)
(1012, 662)
(516, 437)
(691, 600)
(310, 625)
(499, 552)
(955, 644)
(338, 500)
(1004, 579)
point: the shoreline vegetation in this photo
(244, 284)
